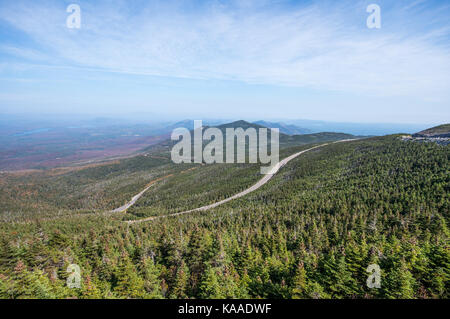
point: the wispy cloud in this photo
(323, 46)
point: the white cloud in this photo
(306, 47)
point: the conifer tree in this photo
(129, 284)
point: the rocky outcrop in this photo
(432, 135)
(441, 131)
(438, 134)
(438, 140)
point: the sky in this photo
(231, 59)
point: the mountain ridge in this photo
(285, 139)
(289, 129)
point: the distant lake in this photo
(32, 132)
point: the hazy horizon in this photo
(54, 120)
(159, 117)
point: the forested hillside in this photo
(108, 185)
(310, 232)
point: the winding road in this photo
(258, 184)
(136, 197)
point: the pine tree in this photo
(299, 282)
(398, 283)
(210, 287)
(129, 284)
(152, 282)
(179, 287)
(89, 289)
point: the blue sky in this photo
(232, 59)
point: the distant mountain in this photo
(167, 128)
(285, 139)
(289, 129)
(291, 140)
(295, 127)
(356, 128)
(241, 123)
(437, 131)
